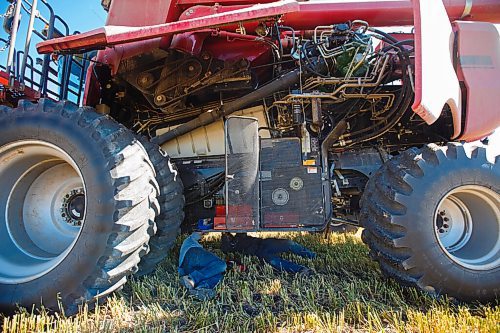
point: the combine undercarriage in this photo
(240, 118)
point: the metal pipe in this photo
(333, 136)
(13, 37)
(29, 34)
(344, 221)
(280, 83)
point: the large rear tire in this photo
(432, 219)
(171, 202)
(77, 206)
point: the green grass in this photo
(347, 294)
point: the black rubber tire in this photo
(121, 193)
(398, 208)
(171, 202)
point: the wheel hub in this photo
(73, 207)
(43, 208)
(467, 225)
(453, 224)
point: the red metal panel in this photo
(222, 45)
(436, 82)
(479, 68)
(28, 92)
(300, 15)
(381, 12)
(114, 35)
(200, 11)
(281, 219)
(189, 3)
(377, 12)
(135, 13)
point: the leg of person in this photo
(210, 282)
(300, 250)
(284, 265)
(210, 266)
(272, 246)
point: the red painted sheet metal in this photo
(114, 35)
(300, 15)
(382, 12)
(92, 40)
(4, 79)
(222, 45)
(418, 64)
(134, 13)
(201, 11)
(479, 69)
(376, 12)
(189, 3)
(28, 93)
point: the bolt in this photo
(445, 225)
(446, 219)
(243, 63)
(160, 99)
(442, 212)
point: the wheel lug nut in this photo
(442, 213)
(441, 231)
(446, 219)
(445, 225)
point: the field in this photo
(347, 294)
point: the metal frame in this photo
(41, 80)
(226, 187)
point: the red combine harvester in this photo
(278, 116)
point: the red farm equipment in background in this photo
(24, 76)
(276, 116)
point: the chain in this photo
(8, 13)
(6, 46)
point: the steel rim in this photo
(467, 226)
(43, 205)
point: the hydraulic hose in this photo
(280, 83)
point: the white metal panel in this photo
(209, 140)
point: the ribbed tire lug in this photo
(171, 205)
(398, 209)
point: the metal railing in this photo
(61, 78)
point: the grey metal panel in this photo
(291, 193)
